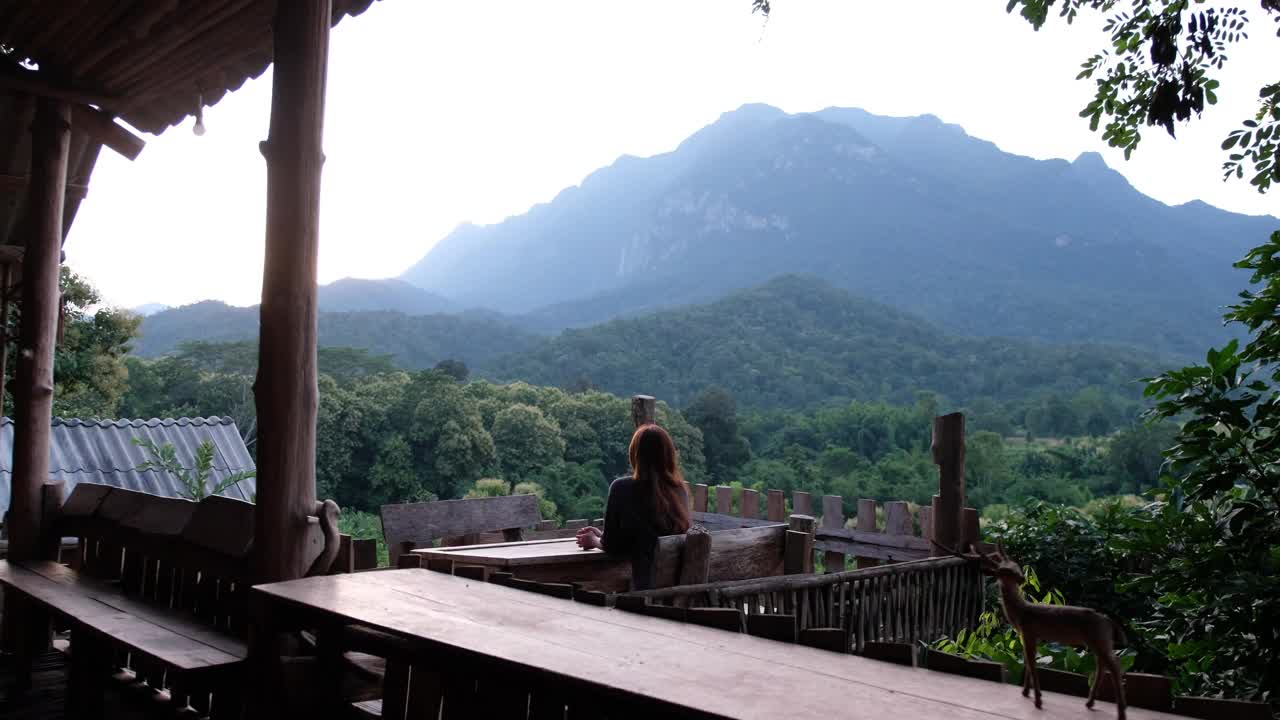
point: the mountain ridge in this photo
(912, 212)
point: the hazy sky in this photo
(446, 112)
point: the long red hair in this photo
(655, 465)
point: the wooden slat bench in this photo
(457, 522)
(155, 593)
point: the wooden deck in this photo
(48, 696)
(676, 669)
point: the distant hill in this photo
(911, 212)
(413, 341)
(148, 309)
(354, 294)
(798, 341)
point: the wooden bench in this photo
(155, 593)
(457, 522)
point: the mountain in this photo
(413, 341)
(148, 309)
(354, 294)
(911, 212)
(797, 341)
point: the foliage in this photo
(194, 479)
(364, 526)
(715, 413)
(90, 370)
(799, 343)
(995, 640)
(1214, 533)
(1158, 72)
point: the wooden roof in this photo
(146, 62)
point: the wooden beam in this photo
(285, 390)
(102, 128)
(32, 83)
(33, 411)
(19, 182)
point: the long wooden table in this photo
(629, 665)
(542, 560)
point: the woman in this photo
(643, 507)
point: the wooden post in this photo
(833, 519)
(33, 386)
(867, 523)
(724, 500)
(696, 562)
(948, 504)
(971, 528)
(700, 497)
(750, 504)
(897, 518)
(285, 389)
(801, 503)
(798, 558)
(777, 506)
(643, 410)
(4, 331)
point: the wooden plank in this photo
(833, 519)
(423, 523)
(735, 555)
(221, 524)
(84, 500)
(971, 532)
(105, 130)
(824, 638)
(700, 498)
(724, 500)
(161, 516)
(695, 672)
(777, 502)
(926, 522)
(718, 521)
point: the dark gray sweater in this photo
(631, 529)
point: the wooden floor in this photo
(48, 695)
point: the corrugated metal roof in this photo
(103, 452)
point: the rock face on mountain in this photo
(911, 212)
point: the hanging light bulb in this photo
(198, 128)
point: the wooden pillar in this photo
(33, 381)
(285, 390)
(643, 408)
(948, 504)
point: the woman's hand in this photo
(589, 537)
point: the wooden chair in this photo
(457, 522)
(175, 572)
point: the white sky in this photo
(446, 112)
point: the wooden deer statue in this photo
(1052, 623)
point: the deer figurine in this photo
(1052, 623)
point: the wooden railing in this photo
(903, 536)
(903, 602)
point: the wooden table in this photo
(542, 560)
(631, 665)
